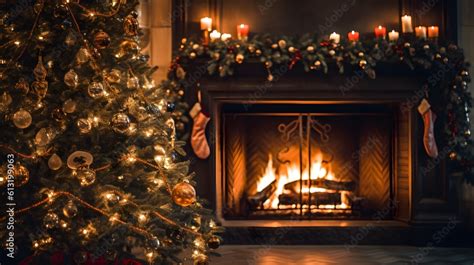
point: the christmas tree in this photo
(91, 168)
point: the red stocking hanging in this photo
(198, 136)
(429, 119)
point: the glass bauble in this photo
(113, 76)
(184, 194)
(69, 106)
(21, 174)
(40, 88)
(120, 122)
(84, 125)
(128, 47)
(101, 40)
(96, 90)
(50, 220)
(71, 79)
(22, 119)
(130, 25)
(83, 56)
(44, 136)
(86, 176)
(70, 209)
(79, 159)
(55, 162)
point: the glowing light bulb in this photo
(142, 218)
(17, 42)
(159, 158)
(40, 38)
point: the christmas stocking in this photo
(198, 137)
(429, 119)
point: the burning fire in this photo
(320, 169)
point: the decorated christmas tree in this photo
(92, 172)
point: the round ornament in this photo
(44, 136)
(113, 76)
(71, 79)
(184, 194)
(239, 58)
(130, 25)
(50, 220)
(213, 242)
(192, 55)
(310, 49)
(21, 174)
(96, 90)
(70, 209)
(128, 47)
(120, 122)
(201, 259)
(84, 125)
(86, 176)
(453, 155)
(101, 40)
(69, 106)
(282, 44)
(22, 86)
(83, 56)
(133, 82)
(55, 162)
(5, 101)
(79, 159)
(22, 119)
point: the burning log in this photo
(321, 183)
(260, 197)
(317, 198)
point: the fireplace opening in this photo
(307, 161)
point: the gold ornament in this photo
(310, 49)
(71, 79)
(101, 40)
(120, 122)
(50, 220)
(363, 64)
(192, 55)
(213, 242)
(22, 119)
(184, 194)
(69, 106)
(113, 76)
(5, 101)
(239, 58)
(96, 90)
(21, 174)
(332, 52)
(292, 49)
(281, 44)
(84, 125)
(251, 48)
(79, 159)
(453, 155)
(22, 86)
(40, 88)
(40, 71)
(128, 47)
(132, 82)
(216, 56)
(130, 25)
(258, 52)
(83, 56)
(201, 259)
(44, 136)
(55, 162)
(86, 176)
(70, 209)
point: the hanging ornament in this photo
(69, 106)
(281, 44)
(71, 79)
(130, 25)
(120, 122)
(128, 47)
(55, 162)
(79, 159)
(363, 64)
(70, 209)
(258, 52)
(310, 49)
(239, 58)
(86, 176)
(40, 71)
(5, 101)
(201, 259)
(84, 125)
(50, 220)
(251, 48)
(113, 76)
(101, 40)
(21, 174)
(44, 136)
(22, 119)
(467, 133)
(40, 88)
(184, 194)
(96, 90)
(83, 56)
(22, 86)
(213, 242)
(132, 82)
(70, 39)
(453, 155)
(192, 55)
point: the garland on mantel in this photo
(443, 66)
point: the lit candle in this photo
(335, 37)
(225, 36)
(420, 32)
(242, 31)
(380, 32)
(406, 24)
(393, 36)
(433, 32)
(215, 35)
(353, 36)
(206, 23)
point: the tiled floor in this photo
(325, 255)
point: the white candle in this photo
(225, 36)
(393, 35)
(335, 37)
(206, 23)
(406, 24)
(215, 35)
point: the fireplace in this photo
(307, 161)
